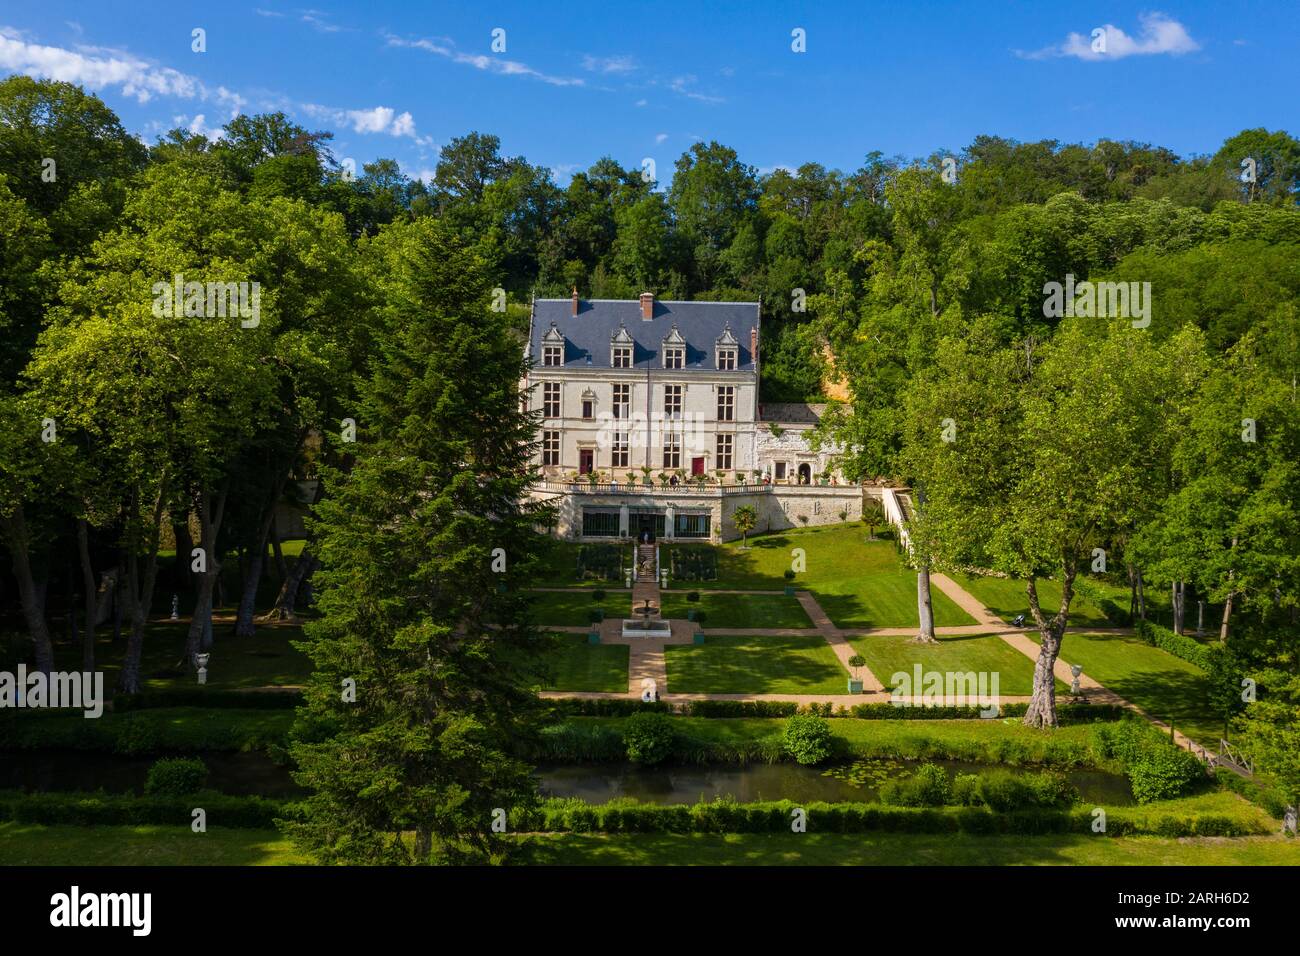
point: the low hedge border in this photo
(192, 697)
(572, 816)
(622, 707)
(1180, 645)
(110, 809)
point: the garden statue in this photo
(201, 661)
(176, 604)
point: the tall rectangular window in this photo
(726, 403)
(620, 454)
(622, 356)
(672, 401)
(588, 409)
(726, 360)
(622, 401)
(723, 456)
(551, 399)
(552, 355)
(672, 450)
(674, 357)
(550, 448)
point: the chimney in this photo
(753, 346)
(647, 305)
(575, 301)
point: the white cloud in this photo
(199, 127)
(661, 137)
(608, 64)
(493, 64)
(378, 119)
(97, 68)
(640, 102)
(681, 85)
(1159, 34)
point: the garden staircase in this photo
(645, 562)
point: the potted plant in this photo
(789, 577)
(631, 477)
(744, 518)
(857, 661)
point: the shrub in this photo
(928, 787)
(111, 809)
(807, 739)
(175, 776)
(692, 595)
(649, 738)
(741, 708)
(1163, 773)
(598, 594)
(788, 574)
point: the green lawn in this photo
(579, 666)
(26, 844)
(1164, 686)
(1006, 598)
(859, 583)
(981, 653)
(735, 610)
(267, 658)
(573, 608)
(727, 664)
(898, 849)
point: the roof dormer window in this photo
(727, 350)
(621, 349)
(674, 350)
(553, 347)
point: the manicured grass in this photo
(735, 610)
(579, 666)
(859, 583)
(1164, 686)
(981, 653)
(573, 608)
(898, 849)
(1006, 598)
(268, 658)
(25, 844)
(728, 664)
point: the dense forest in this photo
(910, 291)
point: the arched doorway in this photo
(805, 474)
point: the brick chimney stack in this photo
(647, 305)
(753, 346)
(575, 301)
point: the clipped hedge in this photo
(1180, 645)
(105, 809)
(604, 706)
(724, 816)
(198, 697)
(170, 730)
(741, 708)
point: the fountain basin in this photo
(658, 628)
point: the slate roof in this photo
(589, 333)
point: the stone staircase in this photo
(645, 562)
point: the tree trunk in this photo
(1142, 597)
(211, 509)
(1200, 618)
(91, 597)
(287, 600)
(29, 592)
(925, 607)
(141, 591)
(244, 624)
(181, 579)
(1042, 705)
(1178, 595)
(1227, 605)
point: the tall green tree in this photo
(425, 549)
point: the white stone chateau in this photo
(652, 423)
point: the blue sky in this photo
(578, 81)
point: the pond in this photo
(859, 781)
(257, 773)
